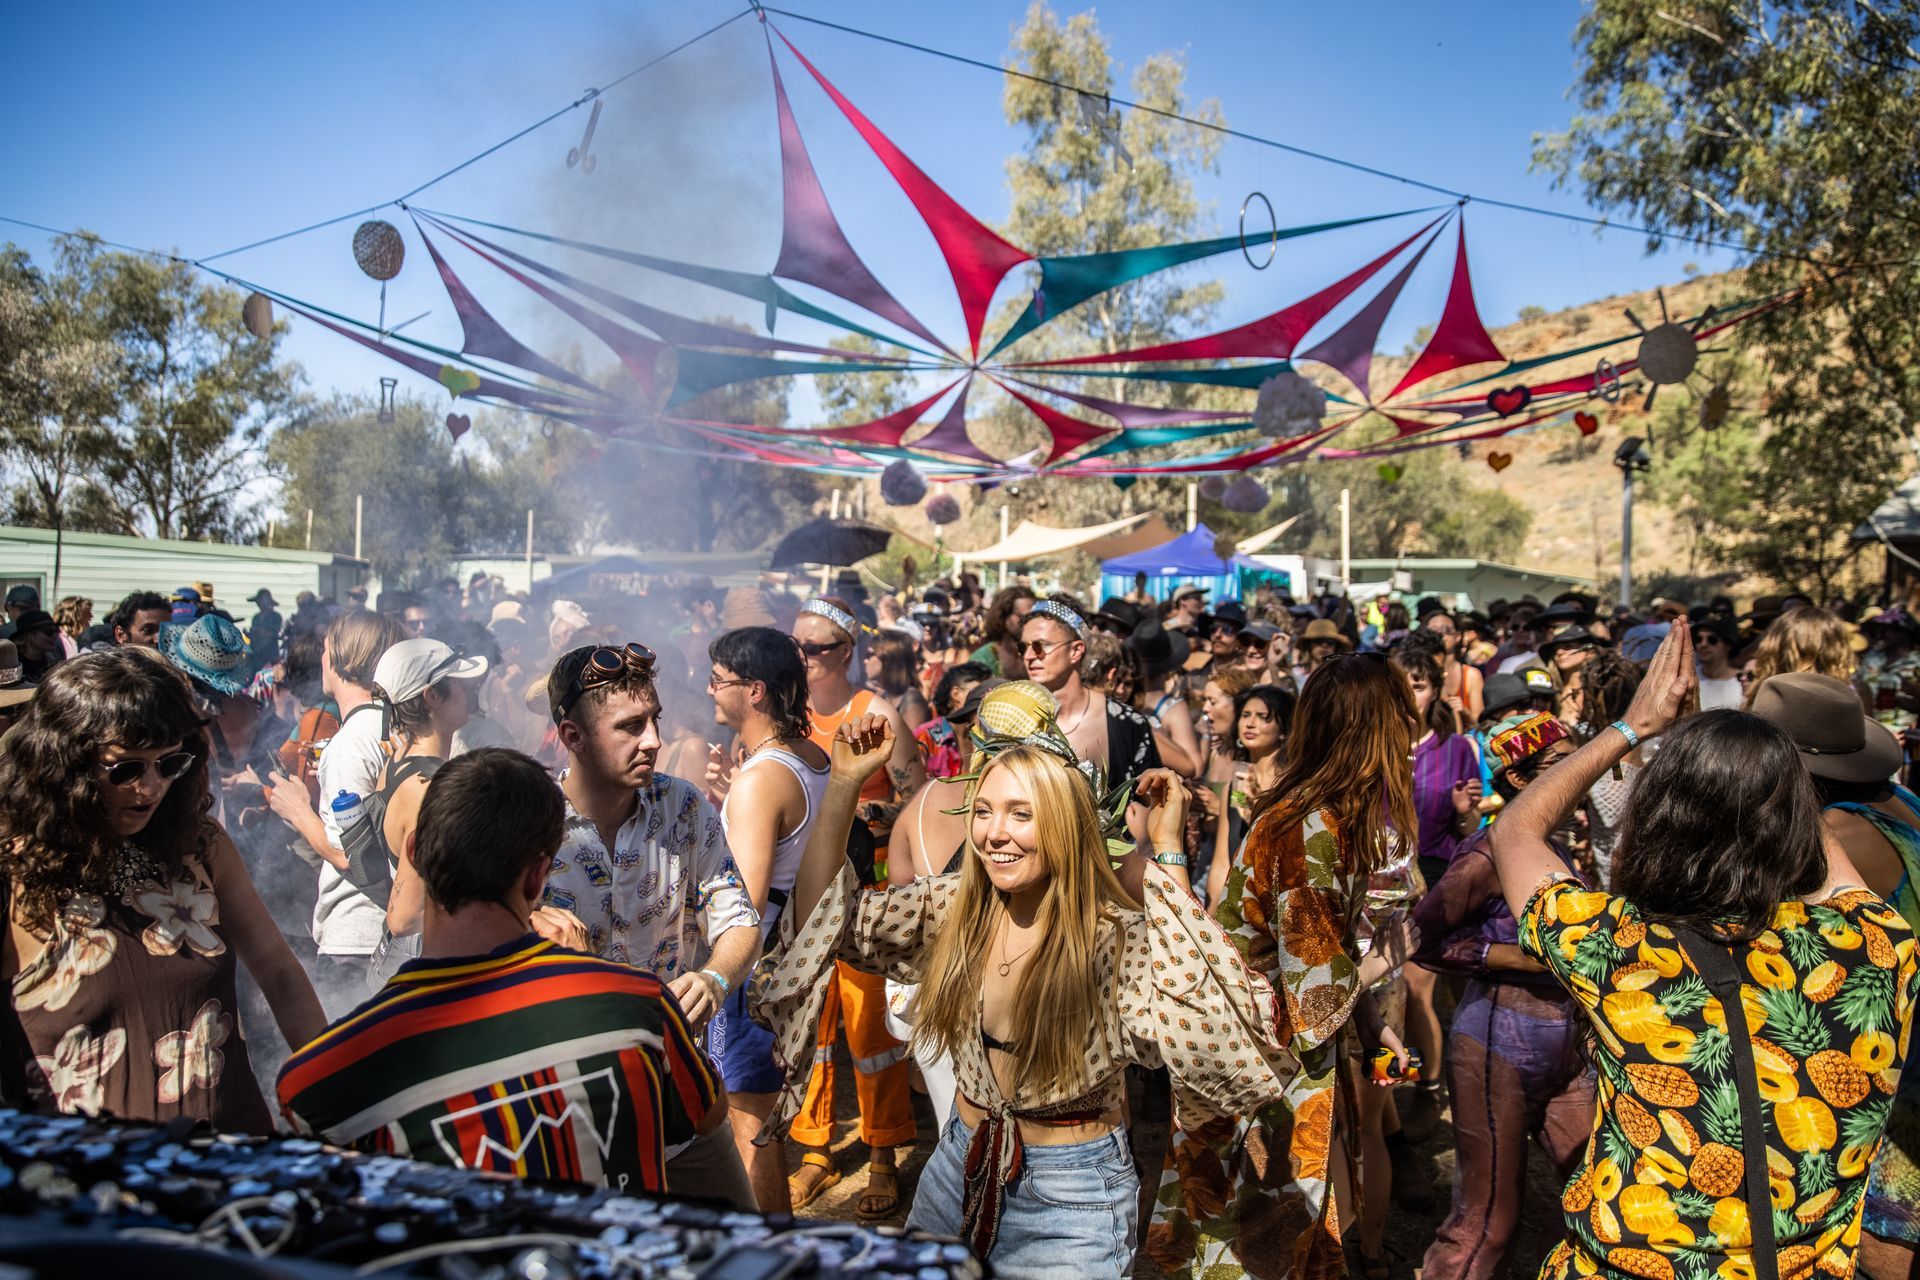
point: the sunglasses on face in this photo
(1707, 638)
(1040, 648)
(818, 650)
(124, 773)
(606, 665)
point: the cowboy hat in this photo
(1323, 629)
(1822, 715)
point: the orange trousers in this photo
(879, 1066)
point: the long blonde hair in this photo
(1808, 639)
(1059, 1004)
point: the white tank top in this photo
(789, 851)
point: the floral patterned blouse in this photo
(1828, 1006)
(130, 1010)
(1250, 1194)
(1179, 997)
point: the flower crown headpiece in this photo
(1023, 714)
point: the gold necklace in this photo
(1006, 966)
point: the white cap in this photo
(411, 667)
(909, 628)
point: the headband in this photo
(1060, 613)
(838, 617)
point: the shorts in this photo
(741, 1047)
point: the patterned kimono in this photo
(1253, 1193)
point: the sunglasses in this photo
(817, 650)
(604, 666)
(124, 773)
(1040, 648)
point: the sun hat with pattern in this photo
(210, 649)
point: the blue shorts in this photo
(741, 1047)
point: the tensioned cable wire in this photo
(1288, 147)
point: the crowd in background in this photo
(1358, 804)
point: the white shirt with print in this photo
(664, 893)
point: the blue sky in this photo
(200, 127)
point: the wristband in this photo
(1171, 858)
(1633, 739)
(726, 988)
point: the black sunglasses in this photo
(816, 650)
(124, 773)
(604, 666)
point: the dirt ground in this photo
(1407, 1235)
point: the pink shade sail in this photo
(1138, 415)
(1068, 432)
(486, 337)
(1350, 347)
(950, 436)
(976, 255)
(1460, 339)
(889, 429)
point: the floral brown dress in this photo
(129, 1010)
(1252, 1194)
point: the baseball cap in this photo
(24, 596)
(1519, 738)
(409, 668)
(1189, 590)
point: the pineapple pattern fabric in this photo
(1828, 995)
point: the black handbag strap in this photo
(1718, 967)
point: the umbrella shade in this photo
(830, 542)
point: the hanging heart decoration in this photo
(1507, 401)
(457, 380)
(458, 424)
(1587, 423)
(1499, 461)
(1391, 472)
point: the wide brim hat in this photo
(14, 686)
(1567, 612)
(210, 649)
(263, 596)
(1835, 739)
(1323, 629)
(1570, 637)
(745, 607)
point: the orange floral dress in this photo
(1252, 1194)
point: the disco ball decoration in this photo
(379, 250)
(1289, 405)
(902, 485)
(942, 508)
(1245, 495)
(1212, 487)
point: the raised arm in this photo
(860, 749)
(1519, 840)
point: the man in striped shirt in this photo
(497, 1049)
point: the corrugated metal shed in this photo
(1897, 519)
(106, 567)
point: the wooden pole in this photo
(359, 510)
(309, 528)
(529, 551)
(1193, 504)
(1003, 538)
(1346, 541)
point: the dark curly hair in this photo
(771, 657)
(52, 815)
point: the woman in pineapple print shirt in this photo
(1721, 877)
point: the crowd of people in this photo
(595, 889)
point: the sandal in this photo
(876, 1205)
(805, 1189)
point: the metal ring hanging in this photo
(1273, 247)
(1606, 382)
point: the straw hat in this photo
(745, 607)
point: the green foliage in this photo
(1862, 1123)
(1865, 1002)
(1685, 997)
(1782, 128)
(1712, 1051)
(1723, 1115)
(1793, 1022)
(141, 402)
(1531, 311)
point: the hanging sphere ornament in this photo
(1245, 495)
(902, 485)
(1289, 405)
(942, 508)
(1212, 487)
(1668, 354)
(256, 313)
(379, 250)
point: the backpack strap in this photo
(1715, 961)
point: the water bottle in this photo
(348, 808)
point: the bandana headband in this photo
(838, 617)
(1061, 614)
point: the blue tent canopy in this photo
(1189, 558)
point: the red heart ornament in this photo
(1587, 423)
(1499, 461)
(1507, 401)
(458, 424)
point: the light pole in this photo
(1630, 457)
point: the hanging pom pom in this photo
(378, 249)
(942, 508)
(902, 485)
(1289, 405)
(1213, 487)
(1245, 495)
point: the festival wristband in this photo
(1171, 858)
(726, 988)
(1626, 731)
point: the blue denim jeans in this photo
(1072, 1212)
